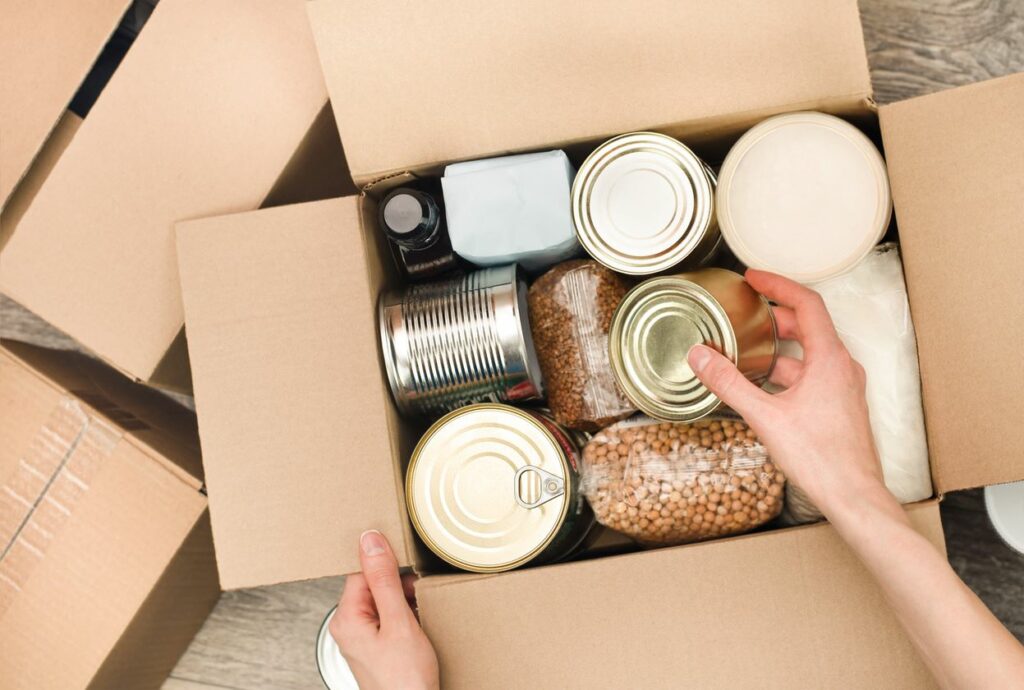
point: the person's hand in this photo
(817, 430)
(376, 627)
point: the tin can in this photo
(659, 321)
(492, 487)
(643, 203)
(334, 670)
(461, 341)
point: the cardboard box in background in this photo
(281, 310)
(209, 112)
(107, 568)
(46, 50)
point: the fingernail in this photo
(698, 356)
(372, 543)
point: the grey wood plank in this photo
(178, 684)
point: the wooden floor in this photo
(263, 638)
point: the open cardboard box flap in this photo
(412, 89)
(105, 554)
(789, 609)
(46, 49)
(201, 117)
(956, 164)
(279, 301)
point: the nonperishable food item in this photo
(451, 343)
(571, 309)
(643, 203)
(512, 209)
(665, 483)
(662, 318)
(493, 487)
(334, 670)
(805, 195)
(413, 221)
(871, 313)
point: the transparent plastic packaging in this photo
(571, 309)
(664, 483)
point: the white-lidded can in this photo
(334, 670)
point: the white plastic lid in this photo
(805, 195)
(1005, 505)
(334, 670)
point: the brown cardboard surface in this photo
(281, 319)
(413, 88)
(92, 520)
(956, 163)
(46, 49)
(48, 156)
(201, 117)
(786, 609)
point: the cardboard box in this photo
(203, 116)
(46, 49)
(304, 449)
(106, 569)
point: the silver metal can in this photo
(334, 670)
(461, 341)
(658, 322)
(493, 487)
(643, 203)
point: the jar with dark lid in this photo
(413, 221)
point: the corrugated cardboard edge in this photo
(170, 617)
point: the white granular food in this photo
(870, 310)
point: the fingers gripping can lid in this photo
(334, 670)
(652, 331)
(805, 195)
(489, 487)
(643, 202)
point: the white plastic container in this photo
(805, 195)
(1005, 506)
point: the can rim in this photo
(324, 629)
(693, 168)
(750, 139)
(411, 506)
(705, 404)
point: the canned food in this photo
(659, 321)
(492, 487)
(643, 203)
(456, 342)
(333, 668)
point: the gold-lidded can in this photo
(491, 487)
(643, 203)
(659, 321)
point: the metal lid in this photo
(653, 329)
(642, 202)
(486, 487)
(1005, 506)
(805, 195)
(334, 670)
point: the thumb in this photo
(724, 380)
(380, 568)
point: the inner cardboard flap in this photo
(956, 164)
(413, 89)
(301, 444)
(46, 49)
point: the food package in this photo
(870, 311)
(571, 309)
(667, 483)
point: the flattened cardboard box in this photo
(107, 567)
(203, 116)
(294, 317)
(46, 49)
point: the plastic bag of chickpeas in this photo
(665, 483)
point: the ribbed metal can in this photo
(493, 487)
(460, 341)
(658, 322)
(643, 203)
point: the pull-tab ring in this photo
(534, 487)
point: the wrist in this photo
(860, 504)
